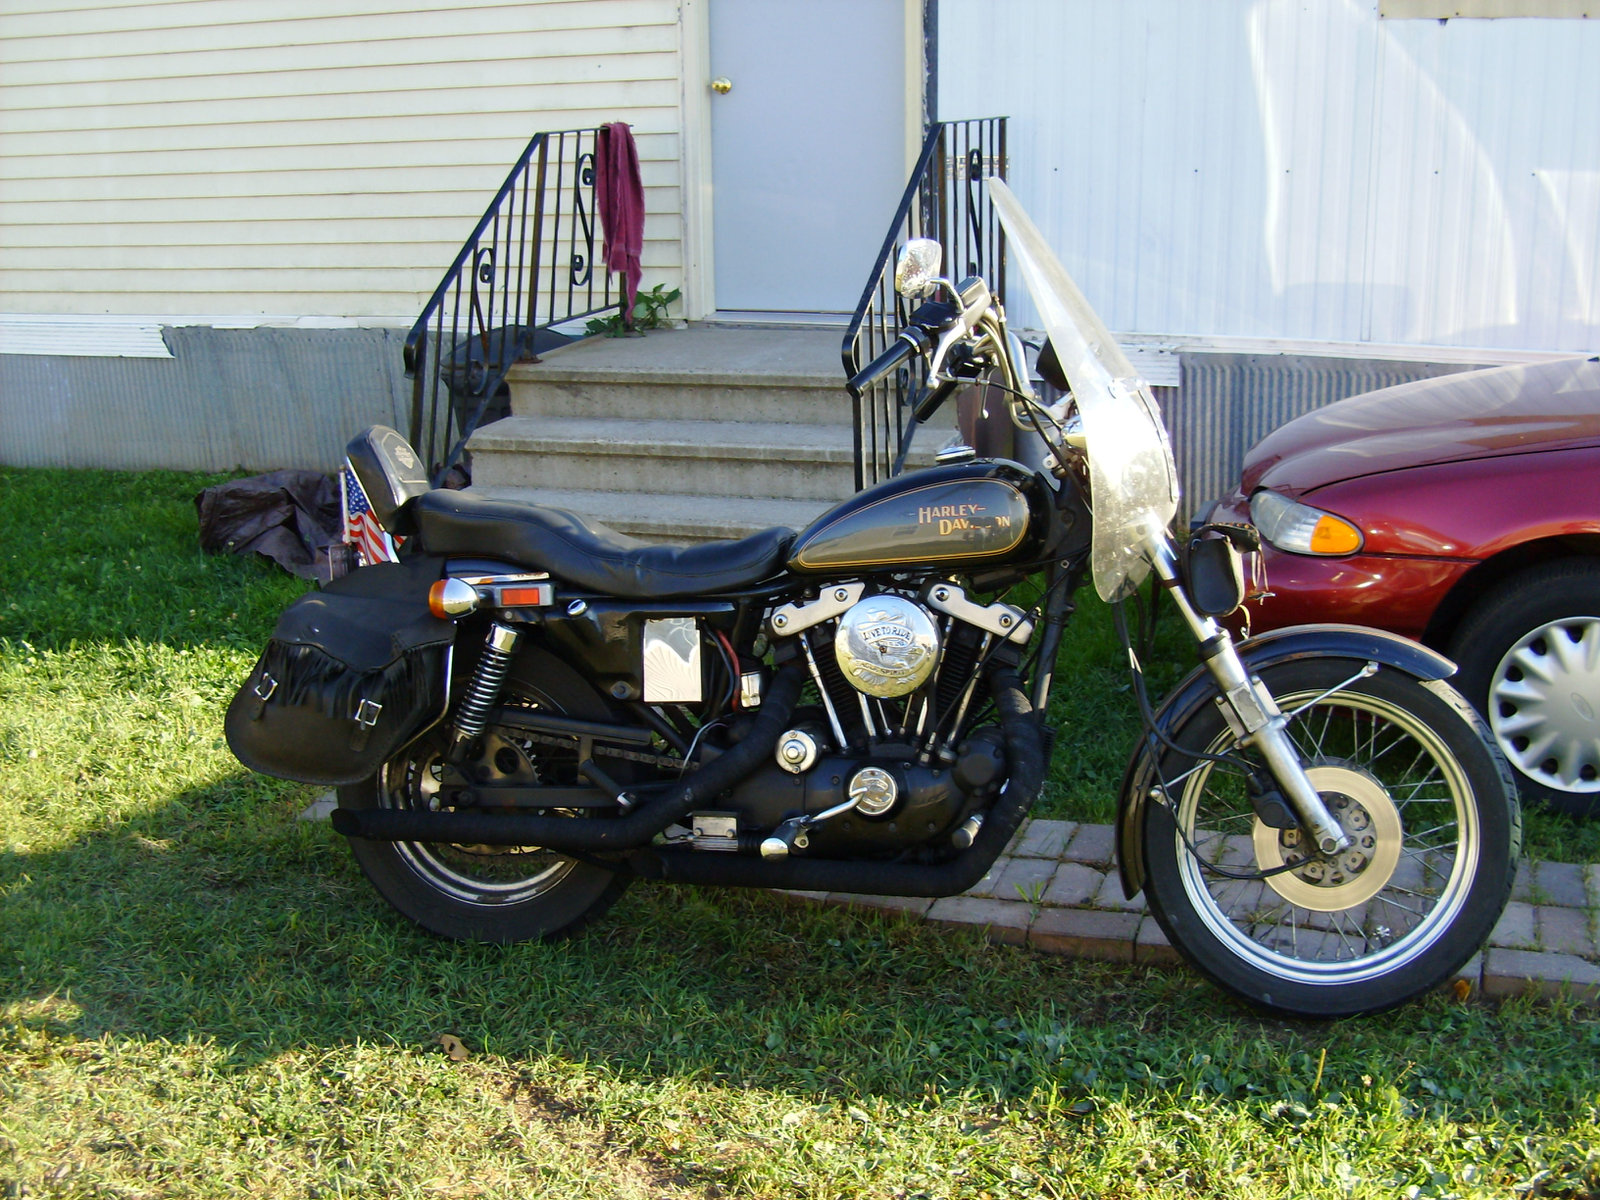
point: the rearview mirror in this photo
(918, 267)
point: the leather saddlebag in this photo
(353, 672)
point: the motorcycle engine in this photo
(891, 759)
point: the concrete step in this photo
(679, 423)
(669, 518)
(794, 376)
(724, 458)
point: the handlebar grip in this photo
(882, 365)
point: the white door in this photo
(808, 148)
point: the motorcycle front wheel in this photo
(1406, 768)
(489, 893)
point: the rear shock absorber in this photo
(484, 690)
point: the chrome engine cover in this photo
(886, 645)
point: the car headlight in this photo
(1301, 529)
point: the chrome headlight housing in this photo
(1301, 529)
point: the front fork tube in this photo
(1255, 715)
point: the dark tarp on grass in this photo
(292, 517)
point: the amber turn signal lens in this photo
(1301, 529)
(451, 598)
(1333, 536)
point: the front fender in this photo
(1198, 688)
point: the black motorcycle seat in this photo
(586, 554)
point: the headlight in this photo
(1301, 529)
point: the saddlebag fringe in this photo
(351, 674)
(309, 677)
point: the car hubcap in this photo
(1543, 702)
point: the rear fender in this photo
(1199, 688)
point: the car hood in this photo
(1475, 414)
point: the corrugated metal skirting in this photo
(254, 399)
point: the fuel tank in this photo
(976, 513)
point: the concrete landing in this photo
(707, 351)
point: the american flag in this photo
(361, 528)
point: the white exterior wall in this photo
(304, 158)
(1300, 169)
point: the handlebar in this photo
(912, 340)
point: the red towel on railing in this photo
(620, 198)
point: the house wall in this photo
(1288, 202)
(307, 158)
(217, 217)
(1278, 169)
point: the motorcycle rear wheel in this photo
(489, 893)
(1407, 769)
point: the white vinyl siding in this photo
(1300, 169)
(303, 158)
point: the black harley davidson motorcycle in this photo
(527, 712)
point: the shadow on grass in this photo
(221, 918)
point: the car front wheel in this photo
(1529, 653)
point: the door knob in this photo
(722, 85)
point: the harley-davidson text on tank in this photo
(910, 520)
(887, 646)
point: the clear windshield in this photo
(1132, 484)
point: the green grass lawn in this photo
(199, 995)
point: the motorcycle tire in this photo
(490, 893)
(1407, 768)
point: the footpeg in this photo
(791, 835)
(967, 832)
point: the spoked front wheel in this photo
(1406, 769)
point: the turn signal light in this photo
(1301, 529)
(452, 598)
(1333, 535)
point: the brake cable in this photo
(1162, 791)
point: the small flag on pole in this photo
(361, 528)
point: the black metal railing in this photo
(529, 266)
(944, 200)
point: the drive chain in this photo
(664, 762)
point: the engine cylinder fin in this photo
(960, 659)
(840, 694)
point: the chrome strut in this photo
(484, 691)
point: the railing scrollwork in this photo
(944, 200)
(499, 303)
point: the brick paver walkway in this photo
(1056, 889)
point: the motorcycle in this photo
(527, 712)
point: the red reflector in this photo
(525, 597)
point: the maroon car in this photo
(1462, 511)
